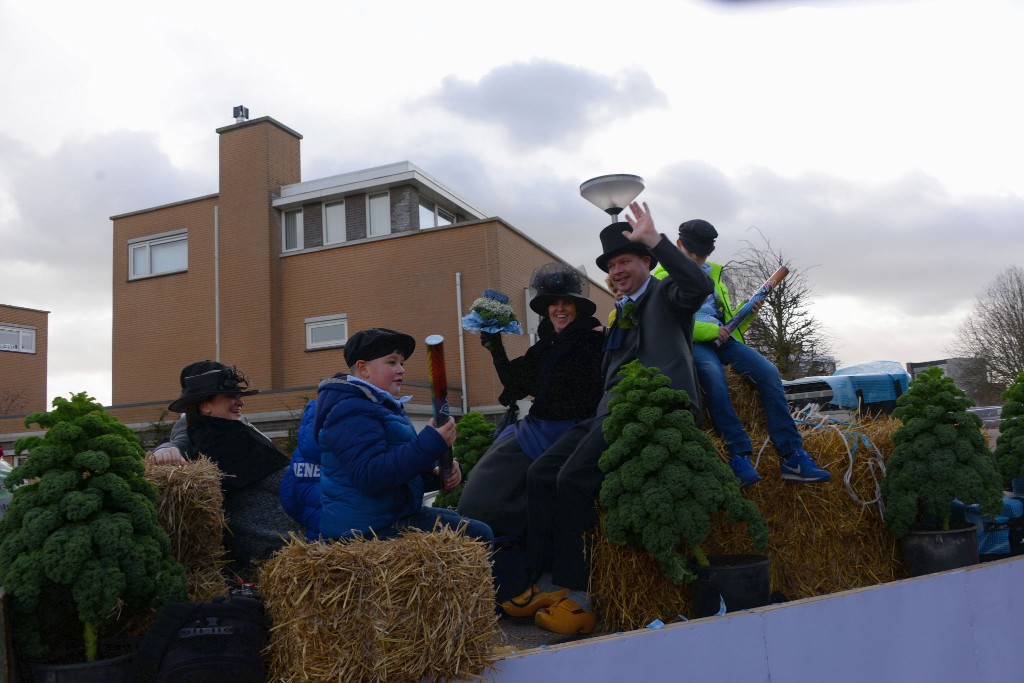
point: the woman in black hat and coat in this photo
(212, 425)
(562, 372)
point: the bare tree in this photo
(993, 332)
(11, 401)
(784, 331)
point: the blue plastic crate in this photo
(997, 536)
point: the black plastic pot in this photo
(68, 664)
(928, 551)
(113, 670)
(742, 581)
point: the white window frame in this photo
(436, 212)
(154, 240)
(300, 229)
(450, 216)
(325, 321)
(369, 215)
(340, 203)
(424, 209)
(24, 332)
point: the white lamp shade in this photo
(612, 193)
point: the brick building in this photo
(969, 374)
(273, 273)
(23, 339)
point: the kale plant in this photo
(940, 455)
(1010, 445)
(475, 436)
(80, 541)
(663, 479)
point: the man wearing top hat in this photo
(653, 324)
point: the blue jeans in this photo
(426, 516)
(711, 361)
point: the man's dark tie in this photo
(614, 339)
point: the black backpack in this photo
(205, 642)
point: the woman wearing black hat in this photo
(562, 372)
(212, 425)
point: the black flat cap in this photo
(375, 343)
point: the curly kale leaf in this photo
(94, 462)
(65, 553)
(97, 590)
(77, 506)
(24, 579)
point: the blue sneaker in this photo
(800, 466)
(744, 470)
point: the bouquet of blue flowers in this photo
(492, 313)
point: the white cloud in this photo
(546, 103)
(56, 237)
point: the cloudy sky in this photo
(877, 144)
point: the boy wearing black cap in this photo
(697, 241)
(375, 468)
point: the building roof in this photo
(164, 206)
(23, 308)
(379, 177)
(263, 119)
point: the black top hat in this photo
(376, 342)
(207, 378)
(614, 243)
(560, 281)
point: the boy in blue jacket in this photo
(300, 484)
(374, 466)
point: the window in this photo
(17, 338)
(432, 216)
(292, 230)
(166, 253)
(326, 331)
(379, 211)
(334, 223)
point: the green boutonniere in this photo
(627, 316)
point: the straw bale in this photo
(190, 508)
(628, 587)
(419, 605)
(824, 538)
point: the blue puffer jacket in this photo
(374, 464)
(300, 485)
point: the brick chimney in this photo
(256, 158)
